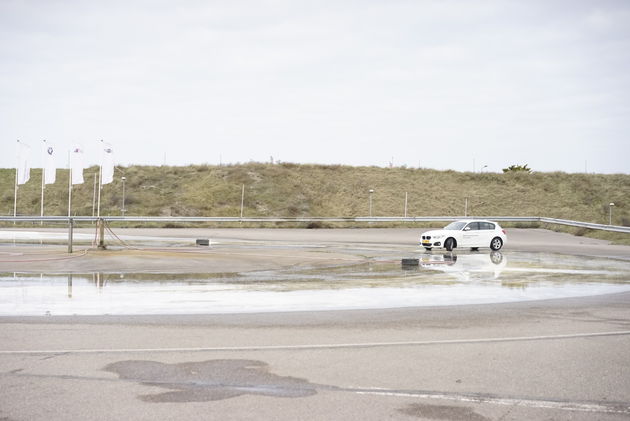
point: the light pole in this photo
(371, 191)
(483, 168)
(610, 206)
(123, 198)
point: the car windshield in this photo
(455, 226)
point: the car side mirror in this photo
(467, 229)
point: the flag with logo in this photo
(107, 163)
(76, 164)
(50, 170)
(23, 167)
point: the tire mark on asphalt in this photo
(320, 346)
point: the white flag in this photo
(107, 163)
(50, 170)
(76, 164)
(23, 166)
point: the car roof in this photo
(475, 220)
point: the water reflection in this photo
(461, 265)
(439, 279)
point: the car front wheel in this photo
(496, 243)
(449, 244)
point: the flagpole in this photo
(42, 213)
(15, 196)
(100, 183)
(94, 197)
(43, 177)
(69, 185)
(16, 189)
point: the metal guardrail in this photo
(359, 219)
(71, 221)
(614, 228)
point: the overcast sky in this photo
(437, 84)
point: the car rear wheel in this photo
(496, 257)
(496, 243)
(449, 244)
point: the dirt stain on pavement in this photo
(442, 412)
(210, 380)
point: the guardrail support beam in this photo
(70, 234)
(101, 234)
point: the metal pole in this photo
(42, 212)
(610, 206)
(43, 179)
(94, 196)
(69, 187)
(405, 204)
(43, 176)
(466, 207)
(242, 200)
(370, 213)
(15, 194)
(123, 198)
(100, 181)
(17, 164)
(70, 234)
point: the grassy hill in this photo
(294, 190)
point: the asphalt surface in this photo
(553, 359)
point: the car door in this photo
(471, 235)
(486, 231)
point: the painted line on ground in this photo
(610, 408)
(317, 346)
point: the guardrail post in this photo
(101, 234)
(70, 234)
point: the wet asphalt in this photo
(550, 359)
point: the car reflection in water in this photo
(465, 264)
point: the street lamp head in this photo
(123, 178)
(611, 204)
(371, 190)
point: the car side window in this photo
(486, 226)
(472, 226)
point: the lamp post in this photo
(610, 206)
(123, 196)
(371, 191)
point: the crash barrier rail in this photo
(358, 219)
(102, 221)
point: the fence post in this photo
(101, 233)
(70, 234)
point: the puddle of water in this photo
(210, 380)
(440, 279)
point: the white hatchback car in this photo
(465, 233)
